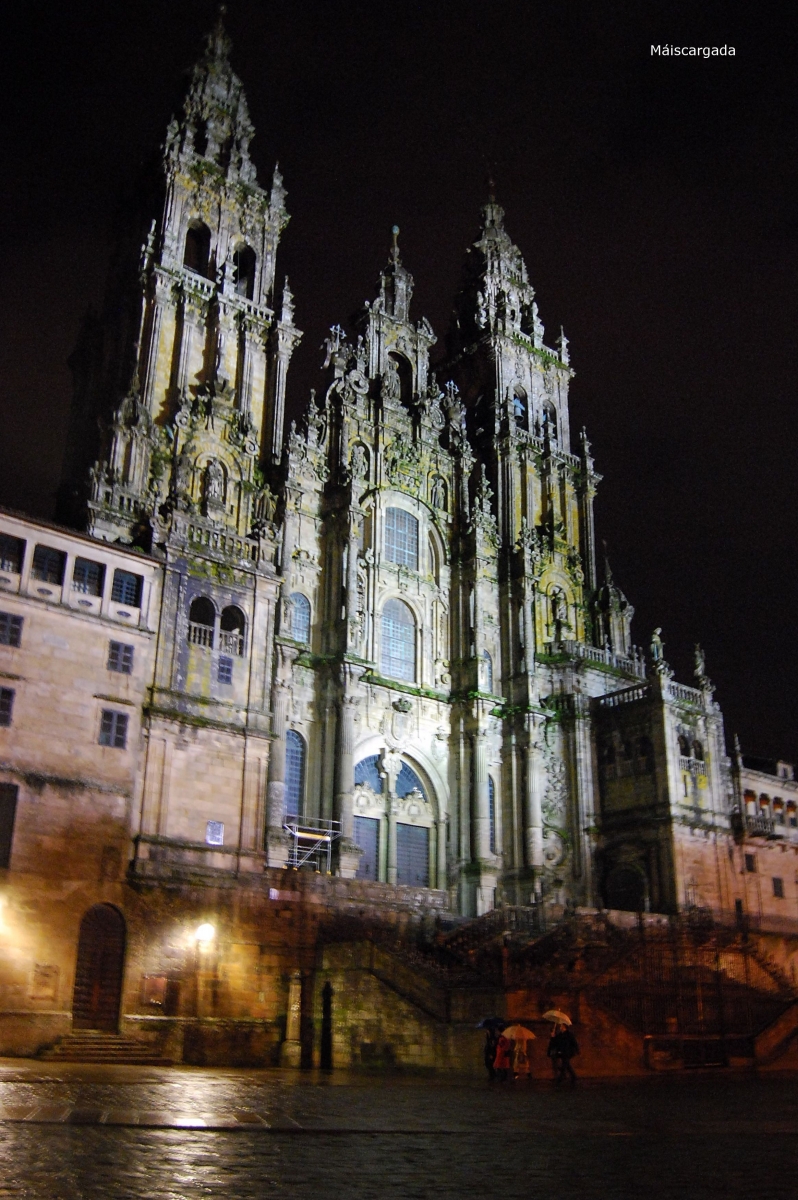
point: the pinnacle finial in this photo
(491, 188)
(395, 244)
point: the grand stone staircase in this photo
(92, 1046)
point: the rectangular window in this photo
(225, 672)
(48, 565)
(113, 729)
(120, 658)
(6, 705)
(778, 888)
(214, 833)
(401, 538)
(750, 863)
(367, 836)
(10, 629)
(88, 577)
(792, 818)
(12, 551)
(127, 588)
(8, 812)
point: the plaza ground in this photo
(136, 1133)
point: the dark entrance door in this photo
(367, 836)
(98, 975)
(412, 855)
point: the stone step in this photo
(97, 1047)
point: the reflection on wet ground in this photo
(76, 1132)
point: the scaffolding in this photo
(311, 842)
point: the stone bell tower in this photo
(198, 419)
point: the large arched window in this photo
(401, 538)
(232, 626)
(492, 815)
(295, 755)
(244, 261)
(488, 667)
(398, 656)
(300, 617)
(201, 621)
(197, 252)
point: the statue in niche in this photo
(657, 645)
(391, 384)
(359, 461)
(214, 482)
(439, 494)
(268, 503)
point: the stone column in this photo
(277, 841)
(291, 1049)
(390, 766)
(534, 797)
(348, 853)
(481, 845)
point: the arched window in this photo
(550, 421)
(408, 781)
(398, 657)
(300, 617)
(368, 771)
(519, 411)
(201, 620)
(698, 751)
(488, 661)
(401, 538)
(684, 746)
(244, 261)
(232, 627)
(492, 815)
(295, 755)
(196, 255)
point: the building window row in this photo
(113, 729)
(197, 258)
(88, 576)
(120, 658)
(6, 705)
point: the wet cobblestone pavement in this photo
(130, 1133)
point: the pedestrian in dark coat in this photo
(501, 1062)
(491, 1041)
(563, 1046)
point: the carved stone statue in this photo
(214, 482)
(657, 648)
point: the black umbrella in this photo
(492, 1023)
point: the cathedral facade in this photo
(375, 646)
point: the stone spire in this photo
(216, 124)
(396, 285)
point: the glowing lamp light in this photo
(205, 934)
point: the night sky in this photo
(654, 200)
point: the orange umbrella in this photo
(518, 1033)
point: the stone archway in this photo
(625, 888)
(99, 970)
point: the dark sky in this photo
(654, 200)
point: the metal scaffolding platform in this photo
(311, 842)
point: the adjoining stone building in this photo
(376, 646)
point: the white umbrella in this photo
(559, 1018)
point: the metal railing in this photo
(311, 842)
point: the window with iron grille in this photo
(295, 754)
(224, 673)
(778, 888)
(401, 538)
(492, 814)
(8, 812)
(88, 577)
(300, 617)
(11, 553)
(113, 729)
(398, 648)
(6, 705)
(48, 565)
(120, 658)
(10, 629)
(127, 588)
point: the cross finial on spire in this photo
(395, 245)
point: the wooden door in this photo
(100, 966)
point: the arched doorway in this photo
(100, 965)
(625, 889)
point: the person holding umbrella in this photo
(562, 1046)
(520, 1038)
(493, 1027)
